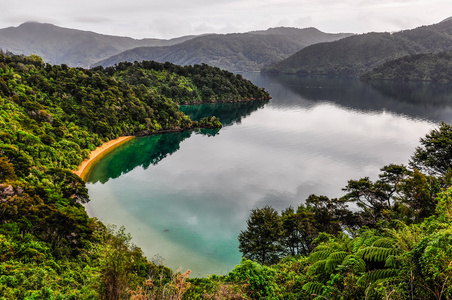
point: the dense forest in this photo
(186, 84)
(384, 239)
(419, 67)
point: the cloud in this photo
(172, 18)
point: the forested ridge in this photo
(394, 243)
(358, 54)
(419, 67)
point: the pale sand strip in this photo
(97, 153)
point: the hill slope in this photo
(234, 52)
(358, 54)
(77, 48)
(419, 67)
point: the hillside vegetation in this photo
(234, 52)
(186, 84)
(419, 67)
(355, 55)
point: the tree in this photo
(261, 241)
(434, 156)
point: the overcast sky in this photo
(174, 18)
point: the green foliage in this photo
(435, 153)
(261, 241)
(185, 84)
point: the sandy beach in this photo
(97, 153)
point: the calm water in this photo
(186, 196)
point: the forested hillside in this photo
(234, 52)
(418, 67)
(186, 84)
(358, 54)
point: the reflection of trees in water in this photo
(142, 151)
(417, 100)
(229, 113)
(150, 150)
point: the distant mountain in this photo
(355, 55)
(234, 52)
(76, 48)
(419, 67)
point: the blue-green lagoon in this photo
(185, 196)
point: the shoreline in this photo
(99, 152)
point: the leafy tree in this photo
(261, 241)
(434, 156)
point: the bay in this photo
(185, 197)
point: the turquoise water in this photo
(185, 197)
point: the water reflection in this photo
(229, 113)
(124, 159)
(422, 100)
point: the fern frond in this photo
(384, 243)
(334, 259)
(317, 267)
(320, 255)
(357, 263)
(313, 288)
(391, 262)
(376, 275)
(376, 253)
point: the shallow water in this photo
(186, 196)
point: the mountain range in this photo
(249, 51)
(235, 52)
(76, 48)
(355, 55)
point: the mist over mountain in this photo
(355, 55)
(234, 52)
(77, 48)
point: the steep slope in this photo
(234, 52)
(358, 54)
(57, 45)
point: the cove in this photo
(185, 196)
